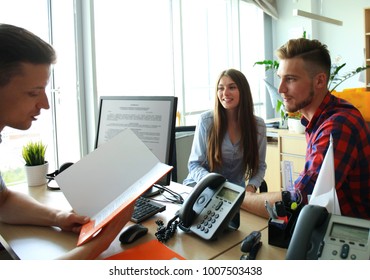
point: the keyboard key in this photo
(146, 208)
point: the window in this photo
(133, 47)
(12, 163)
(252, 50)
(61, 121)
(66, 84)
(175, 47)
(209, 46)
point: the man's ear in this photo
(320, 81)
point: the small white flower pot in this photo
(296, 126)
(36, 175)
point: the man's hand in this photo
(70, 221)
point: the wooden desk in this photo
(27, 242)
(266, 252)
(33, 242)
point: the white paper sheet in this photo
(324, 193)
(123, 164)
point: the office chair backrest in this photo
(263, 187)
(183, 141)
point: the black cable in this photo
(164, 233)
(176, 197)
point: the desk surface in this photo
(33, 242)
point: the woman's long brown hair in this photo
(247, 122)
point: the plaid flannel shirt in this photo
(351, 142)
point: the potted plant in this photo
(294, 122)
(36, 166)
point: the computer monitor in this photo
(151, 118)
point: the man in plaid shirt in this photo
(304, 70)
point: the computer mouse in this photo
(132, 233)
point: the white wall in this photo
(346, 41)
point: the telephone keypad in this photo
(208, 221)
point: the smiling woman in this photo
(221, 143)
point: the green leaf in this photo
(34, 153)
(269, 64)
(335, 79)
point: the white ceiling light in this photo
(297, 12)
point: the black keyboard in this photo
(145, 208)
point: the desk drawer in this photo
(293, 145)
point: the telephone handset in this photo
(212, 207)
(321, 235)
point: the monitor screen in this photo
(151, 118)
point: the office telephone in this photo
(212, 207)
(321, 235)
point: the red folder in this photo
(151, 250)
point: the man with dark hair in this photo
(25, 62)
(304, 70)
